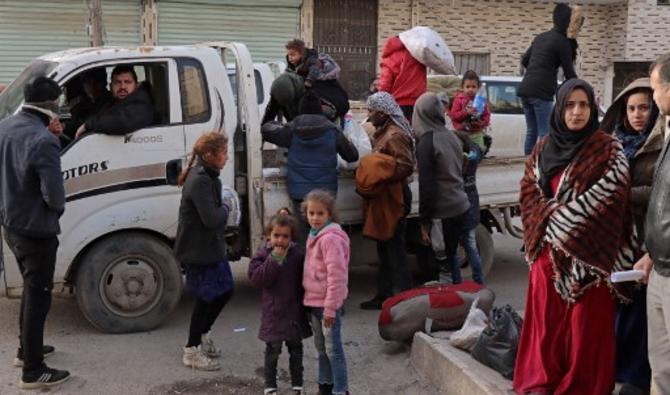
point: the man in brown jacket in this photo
(392, 136)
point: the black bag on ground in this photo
(496, 346)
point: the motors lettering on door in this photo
(82, 170)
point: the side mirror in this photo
(173, 170)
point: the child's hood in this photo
(393, 44)
(332, 229)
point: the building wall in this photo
(505, 28)
(647, 30)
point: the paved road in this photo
(151, 362)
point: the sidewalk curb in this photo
(454, 372)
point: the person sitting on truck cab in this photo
(131, 109)
(313, 144)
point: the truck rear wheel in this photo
(485, 247)
(128, 282)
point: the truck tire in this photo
(128, 282)
(486, 251)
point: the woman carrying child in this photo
(325, 280)
(277, 269)
(200, 246)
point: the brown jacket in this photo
(395, 142)
(643, 163)
(642, 167)
(384, 205)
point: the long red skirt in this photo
(565, 348)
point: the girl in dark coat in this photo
(277, 269)
(200, 246)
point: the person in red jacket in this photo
(401, 75)
(464, 116)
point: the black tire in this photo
(485, 246)
(128, 282)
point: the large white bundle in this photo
(428, 47)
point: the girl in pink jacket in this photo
(325, 278)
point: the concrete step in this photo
(453, 371)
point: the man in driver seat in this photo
(131, 109)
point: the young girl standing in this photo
(325, 281)
(464, 116)
(277, 269)
(200, 246)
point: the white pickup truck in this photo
(122, 202)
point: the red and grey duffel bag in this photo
(446, 305)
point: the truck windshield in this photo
(12, 96)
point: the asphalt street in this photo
(150, 362)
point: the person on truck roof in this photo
(32, 199)
(548, 51)
(313, 144)
(401, 75)
(131, 108)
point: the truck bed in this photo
(497, 182)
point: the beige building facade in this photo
(617, 41)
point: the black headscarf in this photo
(563, 144)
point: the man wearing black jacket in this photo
(130, 110)
(549, 51)
(32, 199)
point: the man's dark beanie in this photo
(41, 89)
(310, 104)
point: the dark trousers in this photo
(272, 352)
(394, 272)
(632, 359)
(37, 261)
(203, 317)
(452, 229)
(303, 226)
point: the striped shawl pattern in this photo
(588, 224)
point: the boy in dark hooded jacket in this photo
(313, 144)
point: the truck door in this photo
(247, 142)
(101, 171)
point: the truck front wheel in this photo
(128, 282)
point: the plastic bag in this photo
(232, 201)
(475, 323)
(496, 346)
(355, 133)
(428, 47)
(330, 70)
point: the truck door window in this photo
(503, 98)
(260, 92)
(78, 106)
(193, 89)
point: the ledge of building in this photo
(455, 372)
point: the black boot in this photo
(325, 389)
